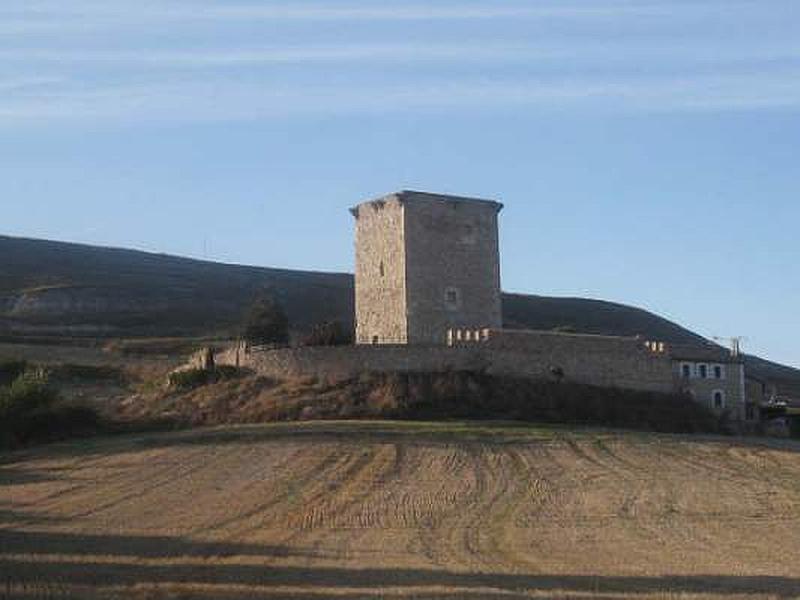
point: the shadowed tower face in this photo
(425, 263)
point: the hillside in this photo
(377, 510)
(60, 288)
(63, 289)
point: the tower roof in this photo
(416, 196)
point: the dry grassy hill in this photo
(67, 289)
(353, 511)
(58, 289)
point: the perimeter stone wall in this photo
(594, 360)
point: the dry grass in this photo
(243, 397)
(101, 376)
(397, 510)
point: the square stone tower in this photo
(425, 263)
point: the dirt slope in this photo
(352, 511)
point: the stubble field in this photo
(378, 510)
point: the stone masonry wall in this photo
(350, 361)
(593, 360)
(452, 251)
(380, 273)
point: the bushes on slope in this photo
(30, 411)
(189, 379)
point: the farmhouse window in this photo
(686, 370)
(703, 369)
(718, 372)
(719, 399)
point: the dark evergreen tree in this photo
(332, 333)
(266, 323)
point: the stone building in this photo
(428, 299)
(425, 264)
(713, 376)
(428, 275)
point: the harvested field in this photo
(379, 510)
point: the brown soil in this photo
(377, 510)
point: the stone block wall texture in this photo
(380, 273)
(452, 248)
(350, 361)
(593, 360)
(425, 263)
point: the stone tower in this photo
(425, 263)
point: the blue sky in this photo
(646, 150)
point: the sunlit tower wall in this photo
(425, 264)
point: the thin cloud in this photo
(83, 13)
(292, 54)
(224, 100)
(408, 52)
(26, 84)
(298, 11)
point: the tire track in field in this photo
(491, 509)
(449, 492)
(72, 485)
(531, 489)
(635, 496)
(478, 528)
(758, 494)
(332, 507)
(131, 489)
(288, 478)
(696, 463)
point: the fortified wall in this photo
(622, 362)
(627, 363)
(428, 300)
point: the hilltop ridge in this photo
(65, 289)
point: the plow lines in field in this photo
(409, 511)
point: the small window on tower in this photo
(382, 269)
(452, 299)
(469, 234)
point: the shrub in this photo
(27, 394)
(10, 370)
(794, 426)
(333, 333)
(266, 323)
(476, 395)
(190, 379)
(564, 329)
(29, 412)
(77, 372)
